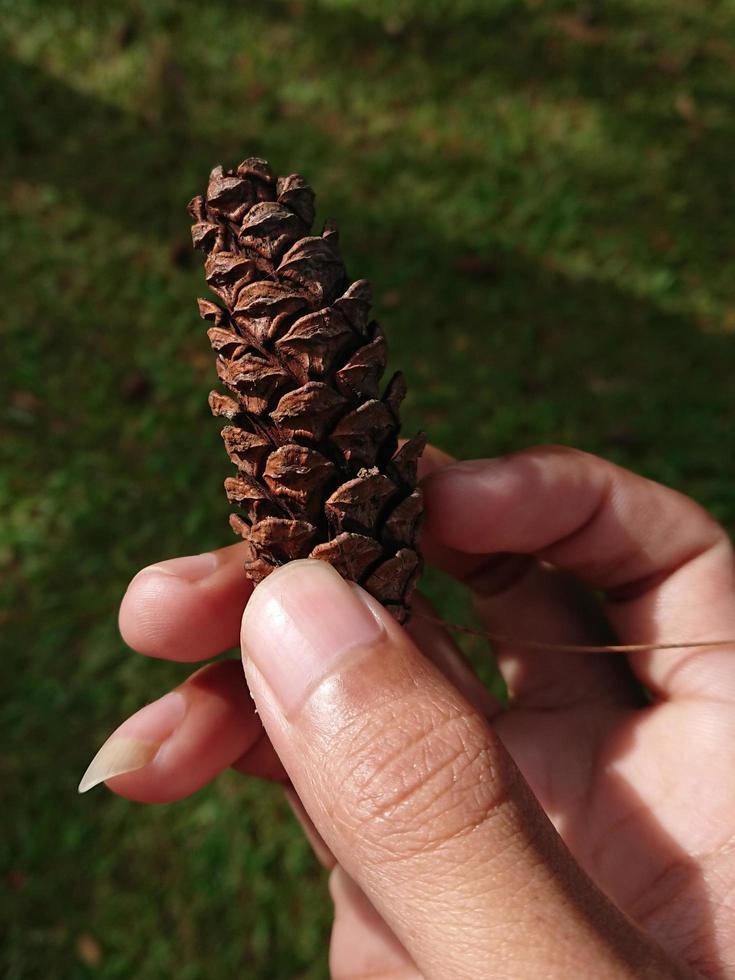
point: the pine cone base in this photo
(319, 474)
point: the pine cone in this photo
(315, 448)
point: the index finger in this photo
(664, 564)
(187, 608)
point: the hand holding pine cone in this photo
(315, 447)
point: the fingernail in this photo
(135, 743)
(192, 568)
(299, 623)
(116, 757)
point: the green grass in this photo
(543, 201)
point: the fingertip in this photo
(432, 459)
(301, 620)
(168, 613)
(173, 746)
(134, 745)
(149, 613)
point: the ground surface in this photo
(542, 195)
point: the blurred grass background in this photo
(541, 193)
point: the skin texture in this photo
(586, 829)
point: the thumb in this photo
(415, 795)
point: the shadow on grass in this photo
(632, 68)
(580, 357)
(105, 156)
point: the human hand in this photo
(444, 863)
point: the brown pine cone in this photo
(315, 447)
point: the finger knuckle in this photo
(434, 775)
